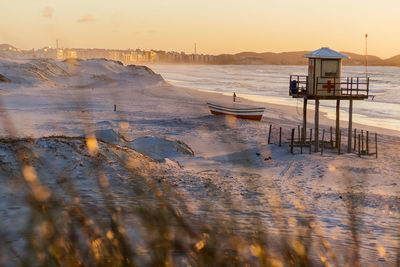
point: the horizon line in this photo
(152, 49)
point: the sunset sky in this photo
(217, 26)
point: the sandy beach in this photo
(231, 157)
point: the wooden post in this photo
(298, 132)
(316, 138)
(323, 141)
(359, 145)
(305, 117)
(280, 136)
(310, 140)
(355, 140)
(337, 122)
(349, 139)
(301, 146)
(367, 142)
(115, 107)
(331, 138)
(291, 142)
(340, 142)
(269, 134)
(376, 145)
(302, 134)
(362, 140)
(301, 141)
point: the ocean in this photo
(270, 84)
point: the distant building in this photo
(114, 55)
(126, 56)
(153, 57)
(70, 54)
(140, 56)
(60, 54)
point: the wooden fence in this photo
(297, 138)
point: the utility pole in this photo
(57, 43)
(195, 48)
(366, 55)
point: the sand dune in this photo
(73, 72)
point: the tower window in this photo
(329, 68)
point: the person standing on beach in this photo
(234, 97)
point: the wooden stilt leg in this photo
(337, 122)
(323, 142)
(304, 117)
(291, 141)
(316, 125)
(349, 139)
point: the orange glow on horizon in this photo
(216, 26)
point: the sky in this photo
(216, 26)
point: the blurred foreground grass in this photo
(156, 227)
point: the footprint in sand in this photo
(298, 170)
(318, 172)
(283, 172)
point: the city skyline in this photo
(217, 27)
(137, 56)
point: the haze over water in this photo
(270, 84)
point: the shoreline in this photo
(292, 110)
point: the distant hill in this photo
(356, 59)
(6, 47)
(284, 58)
(296, 58)
(393, 61)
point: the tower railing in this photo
(348, 86)
(298, 85)
(329, 86)
(356, 86)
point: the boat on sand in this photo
(237, 110)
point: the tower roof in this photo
(325, 52)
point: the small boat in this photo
(237, 110)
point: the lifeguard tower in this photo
(325, 82)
